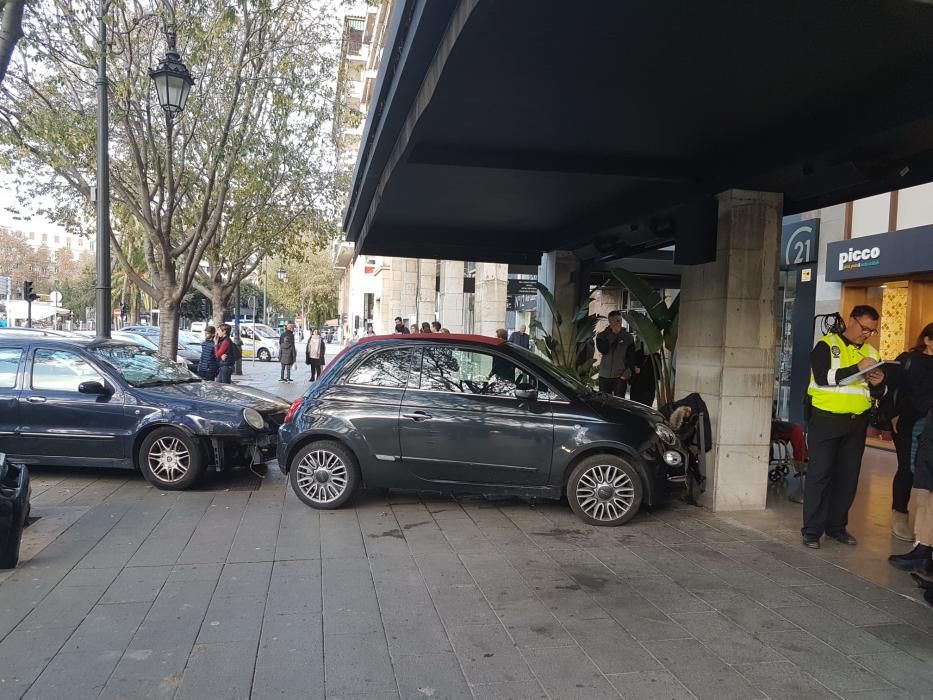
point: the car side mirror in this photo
(92, 388)
(526, 394)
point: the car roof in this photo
(54, 341)
(436, 338)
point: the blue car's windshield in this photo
(141, 367)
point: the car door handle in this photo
(417, 416)
(36, 399)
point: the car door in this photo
(463, 423)
(367, 400)
(60, 425)
(248, 340)
(11, 361)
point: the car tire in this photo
(324, 474)
(170, 459)
(264, 355)
(605, 490)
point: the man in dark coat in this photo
(208, 365)
(287, 353)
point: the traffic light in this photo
(28, 293)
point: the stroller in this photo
(788, 453)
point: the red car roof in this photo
(437, 338)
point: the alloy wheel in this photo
(322, 476)
(169, 459)
(605, 492)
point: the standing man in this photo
(208, 365)
(400, 327)
(613, 344)
(287, 352)
(837, 425)
(521, 338)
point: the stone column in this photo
(558, 272)
(425, 291)
(408, 306)
(726, 345)
(450, 313)
(492, 281)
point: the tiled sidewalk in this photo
(238, 592)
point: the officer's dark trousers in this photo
(836, 443)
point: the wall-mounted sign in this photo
(800, 242)
(522, 287)
(806, 274)
(904, 252)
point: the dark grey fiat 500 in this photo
(469, 414)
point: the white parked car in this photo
(259, 341)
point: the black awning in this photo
(505, 129)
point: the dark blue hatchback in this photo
(457, 413)
(86, 402)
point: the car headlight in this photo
(254, 418)
(665, 434)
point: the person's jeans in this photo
(224, 374)
(315, 368)
(286, 373)
(613, 385)
(904, 476)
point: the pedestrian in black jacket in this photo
(208, 365)
(287, 354)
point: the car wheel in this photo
(324, 475)
(264, 355)
(170, 459)
(604, 490)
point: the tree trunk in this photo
(168, 328)
(219, 300)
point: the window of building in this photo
(388, 368)
(9, 362)
(45, 238)
(59, 370)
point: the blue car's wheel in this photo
(170, 459)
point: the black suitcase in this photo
(14, 510)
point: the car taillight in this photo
(293, 409)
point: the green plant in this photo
(568, 345)
(656, 327)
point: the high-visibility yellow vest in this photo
(851, 398)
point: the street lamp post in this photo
(103, 180)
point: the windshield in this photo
(189, 338)
(265, 331)
(141, 367)
(138, 339)
(565, 378)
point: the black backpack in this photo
(236, 352)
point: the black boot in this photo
(915, 560)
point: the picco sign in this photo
(905, 252)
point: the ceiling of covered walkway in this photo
(505, 129)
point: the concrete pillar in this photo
(492, 281)
(450, 311)
(559, 271)
(726, 346)
(408, 306)
(425, 292)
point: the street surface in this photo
(238, 590)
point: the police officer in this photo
(838, 424)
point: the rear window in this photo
(9, 363)
(387, 368)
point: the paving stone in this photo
(340, 535)
(667, 595)
(415, 631)
(906, 638)
(487, 654)
(91, 577)
(295, 587)
(170, 537)
(244, 580)
(462, 605)
(232, 619)
(218, 671)
(24, 655)
(214, 533)
(74, 675)
(784, 681)
(848, 607)
(702, 672)
(751, 615)
(650, 685)
(725, 639)
(431, 676)
(901, 670)
(611, 648)
(176, 615)
(778, 571)
(355, 664)
(137, 585)
(532, 625)
(63, 607)
(836, 632)
(147, 673)
(107, 628)
(825, 664)
(195, 572)
(640, 618)
(567, 672)
(290, 662)
(515, 690)
(441, 570)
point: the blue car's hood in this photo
(227, 394)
